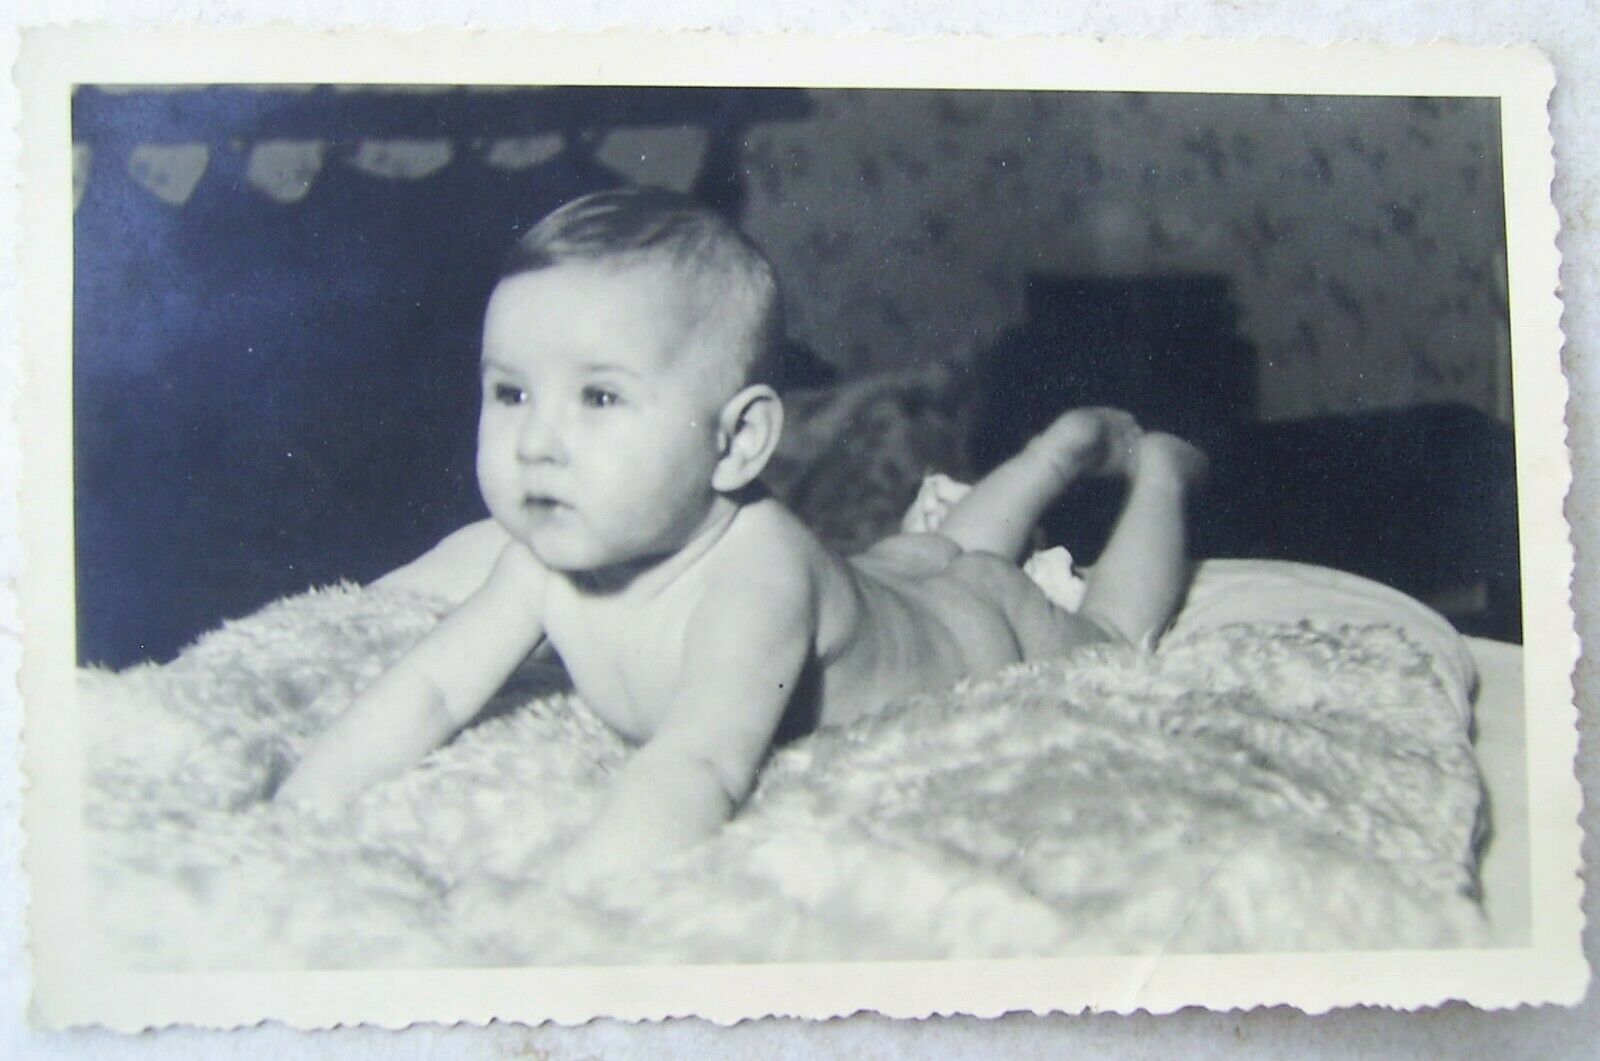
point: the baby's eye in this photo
(600, 397)
(509, 394)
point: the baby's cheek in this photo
(486, 482)
(498, 489)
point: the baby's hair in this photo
(645, 223)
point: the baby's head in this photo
(628, 357)
(728, 291)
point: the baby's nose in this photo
(541, 439)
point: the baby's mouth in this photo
(542, 503)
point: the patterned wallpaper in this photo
(1362, 236)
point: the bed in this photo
(1309, 761)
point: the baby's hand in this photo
(1093, 441)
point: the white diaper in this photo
(1052, 570)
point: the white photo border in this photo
(73, 986)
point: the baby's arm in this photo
(745, 647)
(1139, 580)
(431, 691)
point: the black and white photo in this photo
(1102, 524)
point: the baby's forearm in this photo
(431, 691)
(664, 800)
(395, 722)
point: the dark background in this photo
(273, 393)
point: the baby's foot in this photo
(1171, 458)
(1093, 441)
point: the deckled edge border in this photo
(643, 1006)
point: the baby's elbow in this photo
(712, 771)
(439, 708)
(732, 781)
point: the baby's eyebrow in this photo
(597, 367)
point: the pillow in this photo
(1233, 591)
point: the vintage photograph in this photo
(547, 525)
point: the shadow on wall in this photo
(1166, 348)
(1421, 498)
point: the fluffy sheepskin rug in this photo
(1249, 787)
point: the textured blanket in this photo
(1251, 786)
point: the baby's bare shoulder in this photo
(769, 551)
(767, 532)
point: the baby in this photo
(628, 412)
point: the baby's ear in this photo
(747, 433)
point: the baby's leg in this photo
(1142, 574)
(999, 513)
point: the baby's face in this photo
(597, 438)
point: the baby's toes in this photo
(1122, 435)
(1184, 459)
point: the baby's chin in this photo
(589, 563)
(563, 540)
(611, 575)
(568, 559)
